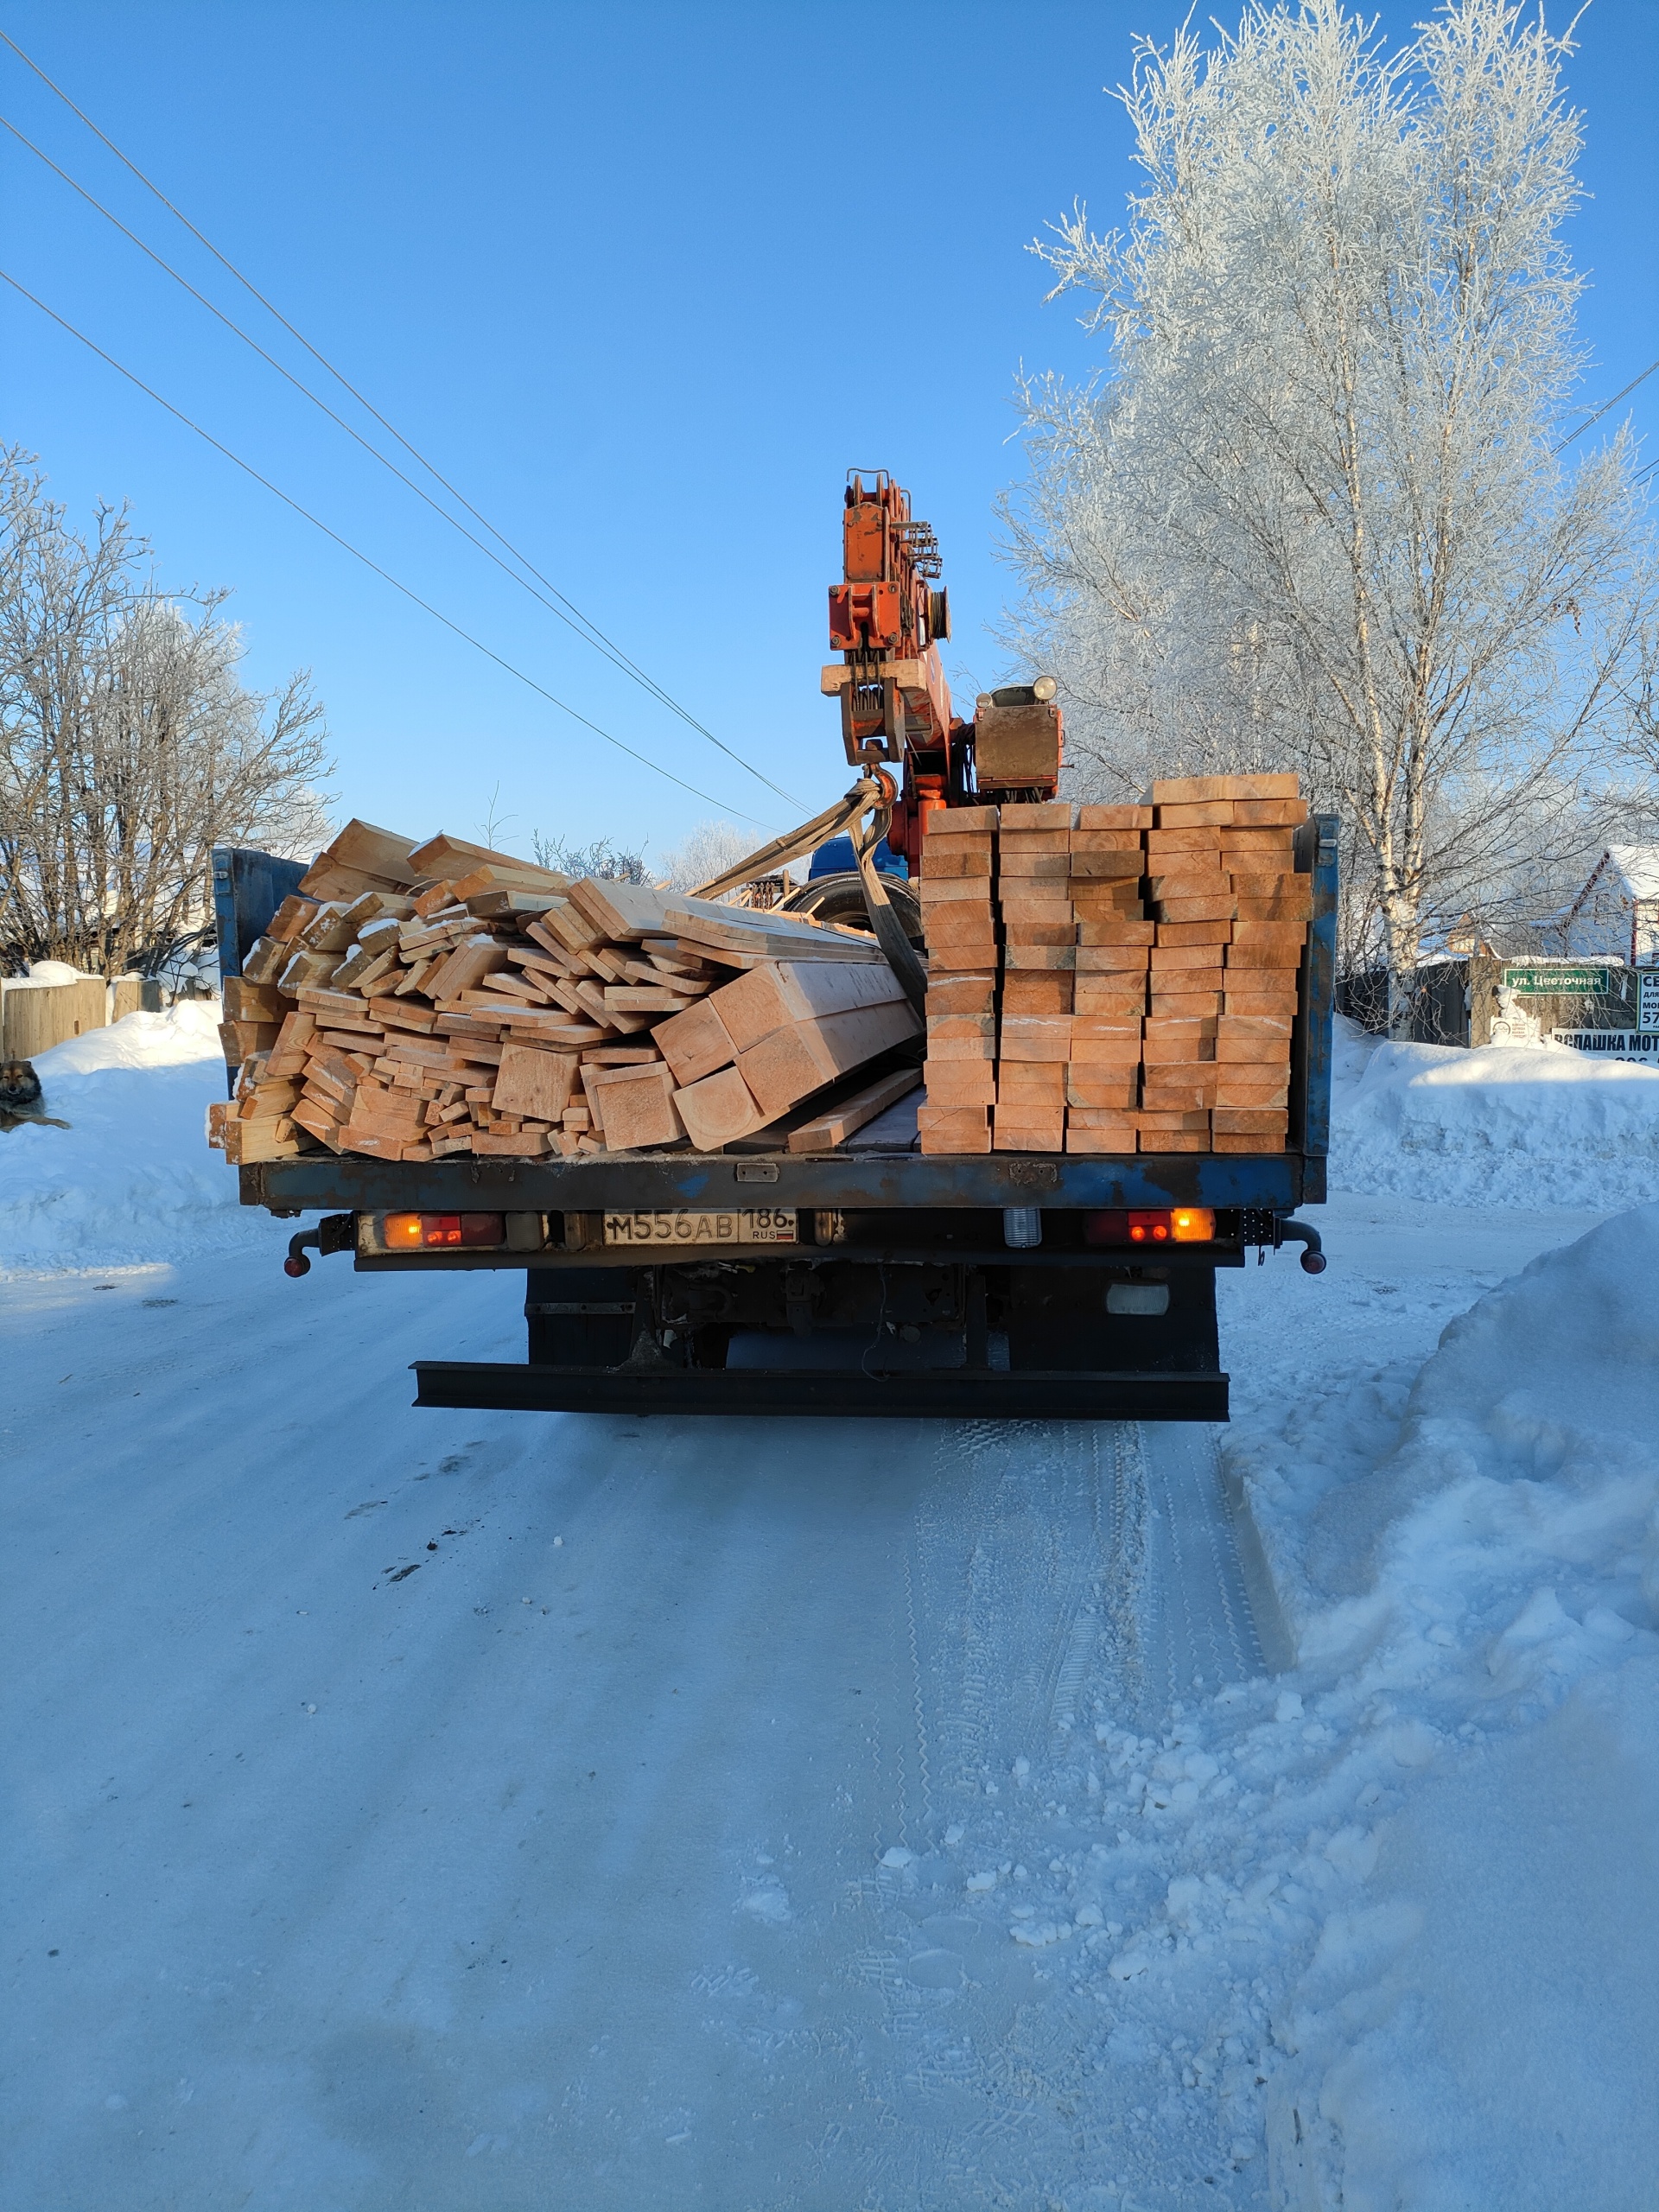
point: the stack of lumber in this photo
(1114, 979)
(414, 1001)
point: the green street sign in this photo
(1559, 982)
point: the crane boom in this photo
(887, 618)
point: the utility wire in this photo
(372, 451)
(1588, 419)
(426, 606)
(578, 621)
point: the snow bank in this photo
(187, 1034)
(1508, 1124)
(1397, 1909)
(1475, 1616)
(130, 1181)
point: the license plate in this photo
(741, 1225)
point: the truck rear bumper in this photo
(949, 1394)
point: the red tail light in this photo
(433, 1232)
(1160, 1225)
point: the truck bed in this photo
(1004, 1254)
(854, 1178)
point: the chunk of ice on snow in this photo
(1038, 1934)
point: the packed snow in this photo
(131, 1179)
(1503, 1125)
(468, 1809)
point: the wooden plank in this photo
(1038, 815)
(960, 1083)
(844, 1121)
(508, 875)
(636, 1106)
(290, 917)
(1105, 1087)
(957, 858)
(1270, 813)
(770, 998)
(473, 959)
(1026, 992)
(1113, 929)
(454, 856)
(781, 936)
(795, 1061)
(533, 1083)
(378, 852)
(695, 1043)
(953, 1128)
(622, 911)
(935, 891)
(718, 1110)
(1105, 866)
(1266, 958)
(1205, 814)
(1187, 790)
(1232, 1089)
(1251, 1121)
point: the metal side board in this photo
(637, 1181)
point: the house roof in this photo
(1634, 869)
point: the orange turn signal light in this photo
(1151, 1225)
(1193, 1225)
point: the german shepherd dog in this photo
(21, 1097)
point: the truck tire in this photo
(840, 898)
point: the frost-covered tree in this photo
(708, 849)
(130, 746)
(1311, 512)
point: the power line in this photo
(340, 421)
(1588, 419)
(385, 574)
(576, 620)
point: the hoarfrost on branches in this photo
(1310, 513)
(129, 747)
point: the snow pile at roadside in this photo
(1506, 1124)
(130, 1181)
(1397, 1909)
(1475, 1615)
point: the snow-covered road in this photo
(444, 1810)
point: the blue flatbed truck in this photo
(1056, 1287)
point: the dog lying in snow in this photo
(21, 1097)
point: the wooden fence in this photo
(35, 1016)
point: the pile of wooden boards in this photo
(1114, 979)
(414, 1001)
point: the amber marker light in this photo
(1193, 1225)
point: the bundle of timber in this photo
(412, 1001)
(1114, 979)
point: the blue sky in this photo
(643, 281)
